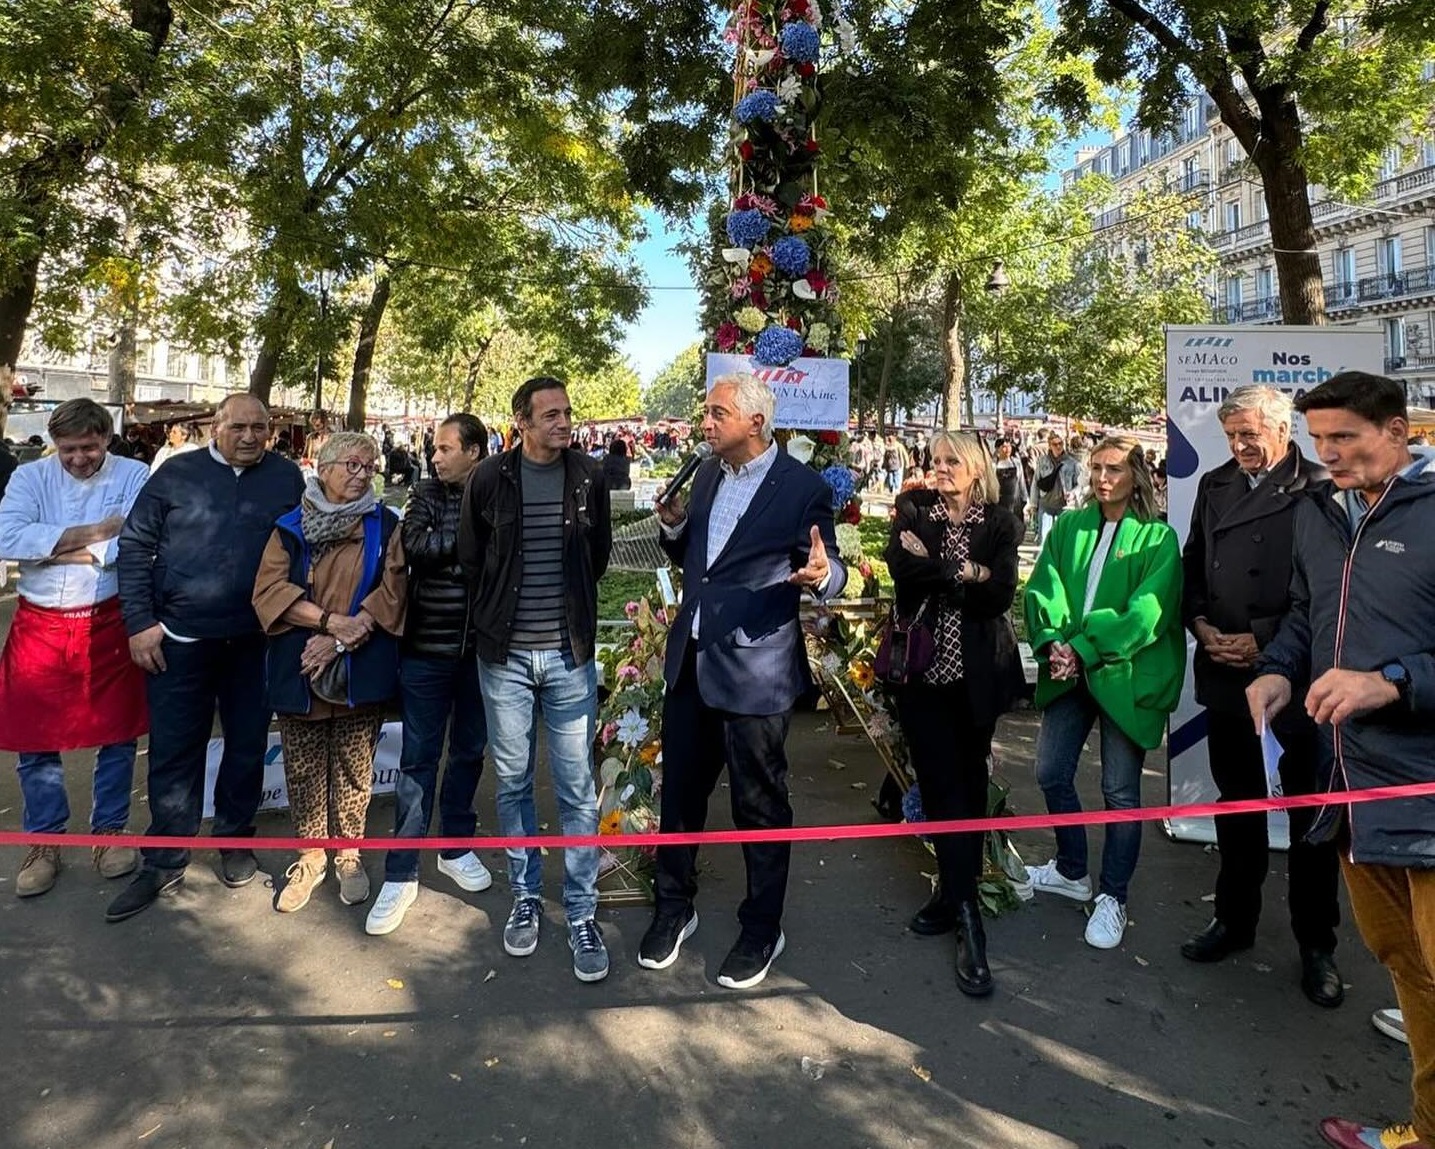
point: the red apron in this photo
(67, 682)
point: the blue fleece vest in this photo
(374, 667)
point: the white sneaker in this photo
(390, 906)
(1390, 1022)
(467, 871)
(1107, 924)
(1048, 879)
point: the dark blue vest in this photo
(374, 667)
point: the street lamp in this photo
(997, 283)
(861, 351)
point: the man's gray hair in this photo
(754, 397)
(342, 442)
(221, 412)
(1271, 403)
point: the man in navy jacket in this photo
(759, 533)
(188, 555)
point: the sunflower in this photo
(800, 223)
(862, 674)
(649, 753)
(611, 822)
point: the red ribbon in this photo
(734, 837)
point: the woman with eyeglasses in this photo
(953, 558)
(330, 596)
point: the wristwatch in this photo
(1398, 677)
(340, 647)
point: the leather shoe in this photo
(237, 867)
(1216, 942)
(140, 894)
(936, 917)
(974, 976)
(1320, 979)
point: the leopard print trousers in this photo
(328, 768)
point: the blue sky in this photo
(670, 321)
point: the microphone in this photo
(702, 451)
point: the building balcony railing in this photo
(1258, 232)
(1250, 311)
(1394, 284)
(1197, 180)
(1419, 181)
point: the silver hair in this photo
(341, 442)
(1271, 403)
(221, 412)
(754, 397)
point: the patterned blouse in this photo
(946, 666)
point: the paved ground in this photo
(213, 1022)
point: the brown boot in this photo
(301, 877)
(38, 871)
(115, 861)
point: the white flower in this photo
(849, 541)
(788, 89)
(832, 663)
(628, 791)
(803, 290)
(814, 15)
(760, 59)
(800, 447)
(738, 255)
(819, 335)
(632, 728)
(880, 725)
(846, 34)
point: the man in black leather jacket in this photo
(438, 675)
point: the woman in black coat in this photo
(953, 556)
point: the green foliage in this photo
(618, 588)
(676, 391)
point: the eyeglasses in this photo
(354, 467)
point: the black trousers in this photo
(949, 754)
(697, 742)
(1234, 750)
(223, 672)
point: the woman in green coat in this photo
(1103, 609)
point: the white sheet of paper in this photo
(1271, 751)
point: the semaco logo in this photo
(1209, 341)
(1391, 546)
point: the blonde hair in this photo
(972, 453)
(342, 441)
(1143, 491)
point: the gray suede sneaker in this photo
(590, 955)
(520, 934)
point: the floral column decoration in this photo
(776, 271)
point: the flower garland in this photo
(775, 299)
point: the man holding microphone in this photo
(758, 532)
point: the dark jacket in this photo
(374, 666)
(1360, 603)
(191, 545)
(490, 548)
(617, 470)
(990, 659)
(1237, 564)
(440, 618)
(751, 657)
(8, 463)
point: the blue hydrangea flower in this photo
(912, 805)
(839, 478)
(760, 105)
(792, 256)
(747, 228)
(800, 43)
(777, 346)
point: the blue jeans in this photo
(567, 697)
(46, 806)
(438, 695)
(1064, 726)
(1045, 520)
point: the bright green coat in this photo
(1132, 645)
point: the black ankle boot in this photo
(974, 977)
(936, 917)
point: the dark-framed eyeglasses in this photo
(355, 466)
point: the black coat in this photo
(990, 659)
(617, 471)
(1237, 564)
(440, 616)
(490, 548)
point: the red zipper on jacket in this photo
(1340, 620)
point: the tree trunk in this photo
(123, 356)
(884, 385)
(953, 357)
(364, 351)
(1297, 260)
(968, 391)
(274, 326)
(15, 305)
(475, 365)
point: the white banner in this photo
(1203, 365)
(811, 393)
(276, 793)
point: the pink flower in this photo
(627, 672)
(610, 732)
(726, 338)
(662, 615)
(630, 609)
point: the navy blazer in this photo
(751, 658)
